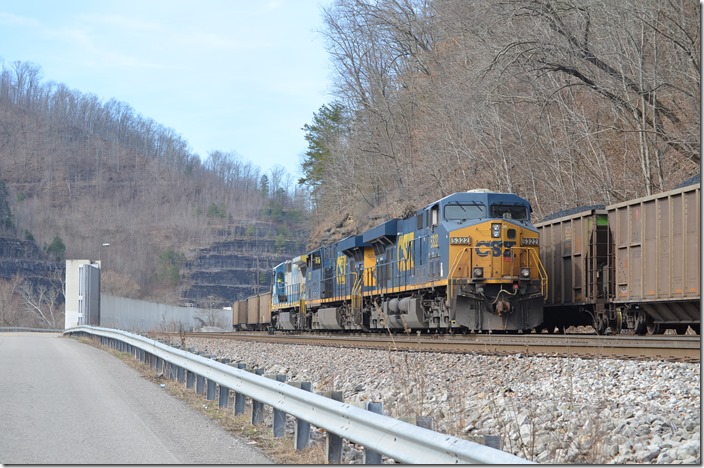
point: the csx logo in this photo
(341, 271)
(484, 248)
(405, 251)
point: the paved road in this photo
(65, 402)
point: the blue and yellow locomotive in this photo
(467, 262)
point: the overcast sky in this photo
(228, 75)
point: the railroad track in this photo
(659, 347)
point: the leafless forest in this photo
(566, 103)
(95, 173)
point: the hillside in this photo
(91, 173)
(562, 103)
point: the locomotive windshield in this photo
(463, 211)
(519, 212)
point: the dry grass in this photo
(280, 450)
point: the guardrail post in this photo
(303, 427)
(257, 406)
(279, 415)
(181, 372)
(223, 396)
(493, 441)
(210, 386)
(223, 392)
(371, 457)
(240, 398)
(190, 380)
(200, 381)
(425, 422)
(210, 392)
(200, 384)
(334, 445)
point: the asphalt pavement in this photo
(66, 402)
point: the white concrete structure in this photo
(71, 294)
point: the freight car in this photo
(632, 265)
(467, 262)
(252, 313)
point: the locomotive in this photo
(467, 262)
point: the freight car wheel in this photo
(600, 325)
(655, 328)
(641, 327)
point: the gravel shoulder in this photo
(544, 409)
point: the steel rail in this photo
(396, 439)
(674, 348)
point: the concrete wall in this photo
(142, 316)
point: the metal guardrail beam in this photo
(396, 439)
(29, 330)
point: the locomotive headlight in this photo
(495, 229)
(478, 272)
(525, 272)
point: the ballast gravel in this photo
(543, 409)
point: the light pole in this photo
(100, 253)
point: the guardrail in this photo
(396, 439)
(29, 330)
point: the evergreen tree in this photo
(264, 186)
(328, 125)
(57, 249)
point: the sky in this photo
(240, 76)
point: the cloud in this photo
(16, 20)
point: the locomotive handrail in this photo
(542, 272)
(396, 439)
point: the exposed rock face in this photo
(25, 259)
(235, 269)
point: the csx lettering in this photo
(484, 248)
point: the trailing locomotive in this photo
(632, 265)
(467, 262)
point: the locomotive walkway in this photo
(66, 402)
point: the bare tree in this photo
(42, 301)
(9, 305)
